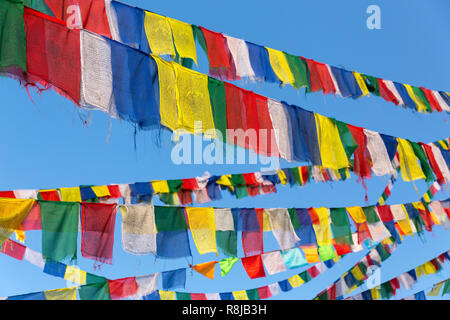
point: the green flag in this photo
(59, 229)
(13, 41)
(226, 265)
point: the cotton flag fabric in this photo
(203, 228)
(12, 213)
(138, 229)
(183, 37)
(282, 229)
(53, 52)
(61, 294)
(226, 234)
(241, 58)
(226, 265)
(273, 262)
(207, 269)
(331, 150)
(159, 34)
(175, 279)
(281, 124)
(280, 66)
(252, 232)
(59, 229)
(253, 265)
(97, 235)
(294, 258)
(146, 285)
(381, 163)
(13, 56)
(409, 165)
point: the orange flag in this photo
(207, 269)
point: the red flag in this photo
(198, 296)
(7, 194)
(253, 266)
(53, 54)
(13, 249)
(386, 94)
(362, 156)
(264, 292)
(122, 288)
(385, 213)
(97, 234)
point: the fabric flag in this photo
(226, 265)
(253, 265)
(321, 225)
(106, 71)
(340, 226)
(424, 164)
(13, 249)
(97, 231)
(183, 38)
(241, 58)
(203, 228)
(61, 294)
(282, 229)
(281, 124)
(346, 83)
(280, 66)
(259, 59)
(359, 218)
(95, 291)
(299, 70)
(361, 165)
(381, 162)
(446, 288)
(409, 166)
(28, 296)
(75, 275)
(159, 34)
(252, 232)
(53, 52)
(59, 229)
(273, 262)
(331, 149)
(70, 194)
(438, 154)
(193, 100)
(219, 56)
(438, 210)
(122, 288)
(207, 269)
(13, 53)
(127, 26)
(12, 213)
(301, 221)
(93, 14)
(138, 229)
(294, 258)
(146, 285)
(377, 229)
(226, 235)
(311, 253)
(304, 134)
(174, 279)
(172, 240)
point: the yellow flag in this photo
(357, 214)
(160, 186)
(420, 106)
(168, 108)
(225, 181)
(311, 253)
(282, 176)
(323, 230)
(159, 34)
(361, 83)
(183, 36)
(61, 294)
(240, 295)
(331, 150)
(101, 191)
(405, 224)
(70, 194)
(75, 275)
(194, 104)
(295, 281)
(203, 228)
(409, 164)
(280, 66)
(266, 222)
(12, 213)
(167, 295)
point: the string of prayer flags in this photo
(233, 58)
(105, 84)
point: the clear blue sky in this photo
(45, 143)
